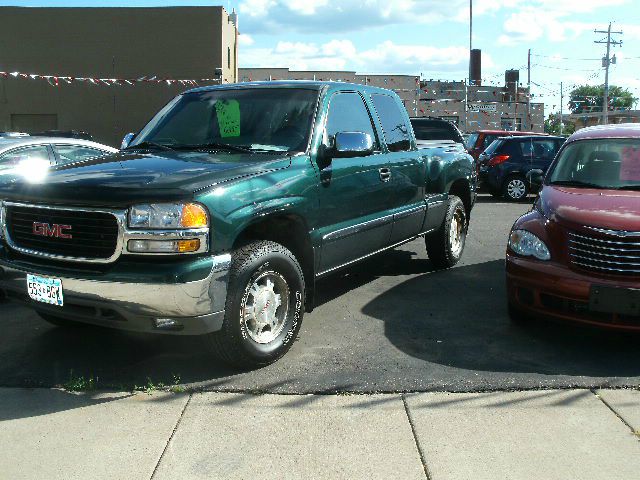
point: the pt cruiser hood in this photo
(125, 178)
(609, 209)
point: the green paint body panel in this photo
(345, 209)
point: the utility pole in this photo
(528, 90)
(561, 102)
(606, 61)
(470, 36)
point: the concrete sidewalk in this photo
(539, 434)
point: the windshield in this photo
(242, 119)
(599, 163)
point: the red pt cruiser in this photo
(576, 255)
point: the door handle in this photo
(385, 174)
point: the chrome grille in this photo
(606, 253)
(94, 234)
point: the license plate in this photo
(45, 290)
(625, 301)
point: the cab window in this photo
(73, 154)
(348, 113)
(394, 126)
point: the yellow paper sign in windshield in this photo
(228, 118)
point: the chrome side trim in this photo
(120, 216)
(411, 211)
(351, 262)
(354, 229)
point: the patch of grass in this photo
(149, 387)
(176, 387)
(80, 384)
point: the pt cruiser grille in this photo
(63, 233)
(616, 253)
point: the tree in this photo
(552, 126)
(589, 98)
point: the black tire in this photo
(440, 248)
(235, 343)
(515, 188)
(58, 321)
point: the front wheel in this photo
(265, 306)
(446, 245)
(515, 188)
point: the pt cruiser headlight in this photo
(168, 216)
(526, 244)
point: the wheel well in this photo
(460, 188)
(291, 232)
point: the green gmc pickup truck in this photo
(218, 217)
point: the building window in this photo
(511, 124)
(229, 57)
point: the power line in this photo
(564, 58)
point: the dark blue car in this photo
(506, 162)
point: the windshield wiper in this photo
(575, 183)
(148, 145)
(215, 146)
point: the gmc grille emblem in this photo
(53, 231)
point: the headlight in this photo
(168, 216)
(528, 245)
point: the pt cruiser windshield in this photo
(599, 163)
(235, 120)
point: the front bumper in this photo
(553, 290)
(189, 297)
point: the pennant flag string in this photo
(55, 80)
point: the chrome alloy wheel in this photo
(456, 232)
(265, 307)
(516, 189)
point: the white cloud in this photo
(552, 19)
(245, 40)
(341, 54)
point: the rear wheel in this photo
(264, 308)
(515, 188)
(446, 245)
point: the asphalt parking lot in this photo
(391, 324)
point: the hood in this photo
(608, 209)
(123, 178)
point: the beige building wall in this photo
(172, 42)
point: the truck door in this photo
(354, 193)
(408, 175)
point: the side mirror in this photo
(535, 178)
(352, 144)
(126, 141)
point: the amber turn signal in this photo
(187, 246)
(194, 216)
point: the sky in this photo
(431, 37)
